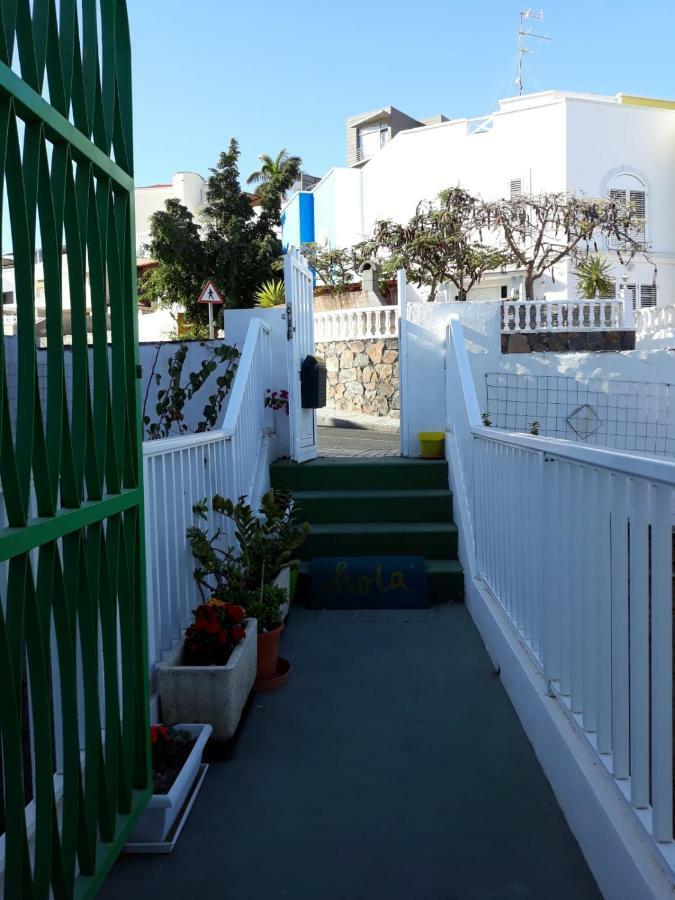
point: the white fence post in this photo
(402, 295)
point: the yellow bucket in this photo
(432, 444)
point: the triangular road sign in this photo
(210, 294)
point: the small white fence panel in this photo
(179, 472)
(575, 545)
(360, 323)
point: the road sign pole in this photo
(211, 335)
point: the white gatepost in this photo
(299, 287)
(402, 290)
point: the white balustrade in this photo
(653, 321)
(529, 316)
(360, 323)
(575, 544)
(179, 472)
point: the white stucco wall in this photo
(188, 187)
(337, 208)
(481, 325)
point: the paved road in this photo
(357, 442)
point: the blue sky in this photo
(288, 74)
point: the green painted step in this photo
(418, 505)
(359, 474)
(432, 540)
(445, 581)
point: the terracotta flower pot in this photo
(268, 653)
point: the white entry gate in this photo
(299, 284)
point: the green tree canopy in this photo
(232, 245)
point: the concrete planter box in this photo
(213, 694)
(159, 816)
(283, 580)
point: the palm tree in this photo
(279, 172)
(594, 279)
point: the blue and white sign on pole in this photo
(210, 296)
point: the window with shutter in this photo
(647, 295)
(628, 190)
(515, 188)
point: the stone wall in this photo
(568, 342)
(362, 376)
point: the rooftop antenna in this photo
(522, 36)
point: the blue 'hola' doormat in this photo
(368, 582)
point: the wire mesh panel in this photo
(73, 705)
(622, 415)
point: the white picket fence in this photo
(360, 323)
(575, 544)
(529, 316)
(179, 472)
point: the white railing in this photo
(654, 321)
(179, 472)
(142, 240)
(361, 323)
(575, 545)
(527, 316)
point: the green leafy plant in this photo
(233, 243)
(272, 293)
(593, 278)
(535, 427)
(268, 540)
(265, 606)
(485, 419)
(172, 398)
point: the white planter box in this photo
(283, 580)
(213, 694)
(160, 814)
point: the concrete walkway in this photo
(391, 766)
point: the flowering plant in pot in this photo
(216, 631)
(210, 675)
(176, 761)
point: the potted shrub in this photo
(210, 675)
(176, 763)
(267, 609)
(267, 541)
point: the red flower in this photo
(213, 626)
(235, 612)
(157, 731)
(201, 625)
(237, 633)
(223, 637)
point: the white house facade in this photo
(550, 141)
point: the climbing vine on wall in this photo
(177, 390)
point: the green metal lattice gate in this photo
(73, 690)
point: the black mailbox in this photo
(313, 382)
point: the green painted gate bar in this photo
(73, 634)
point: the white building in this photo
(550, 141)
(187, 187)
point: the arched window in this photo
(629, 190)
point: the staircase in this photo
(367, 507)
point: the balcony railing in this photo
(529, 316)
(361, 323)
